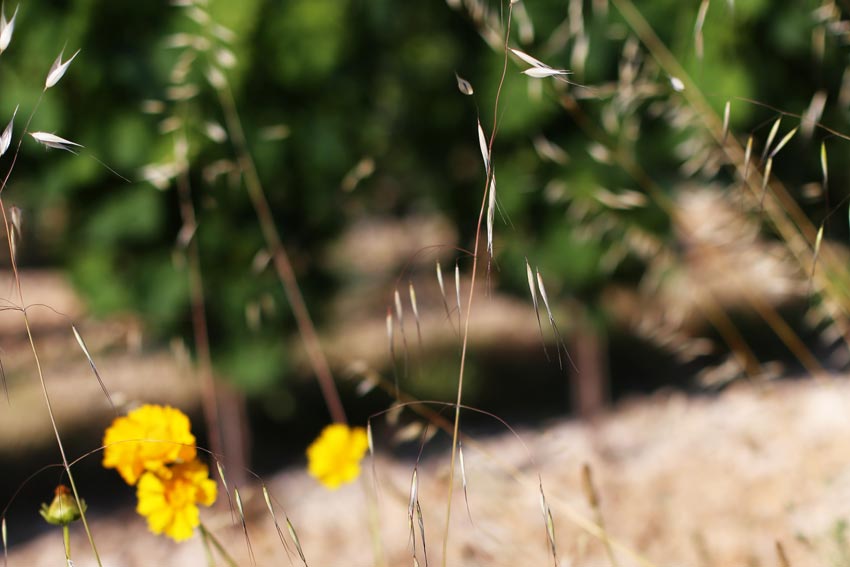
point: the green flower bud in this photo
(63, 510)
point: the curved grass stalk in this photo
(475, 250)
(42, 382)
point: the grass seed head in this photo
(7, 27)
(464, 86)
(53, 141)
(57, 70)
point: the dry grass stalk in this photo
(698, 36)
(463, 477)
(292, 533)
(90, 360)
(532, 287)
(814, 112)
(748, 153)
(391, 342)
(550, 524)
(560, 341)
(482, 145)
(220, 469)
(399, 313)
(491, 214)
(268, 500)
(768, 168)
(770, 137)
(421, 523)
(241, 511)
(785, 139)
(592, 496)
(415, 308)
(411, 506)
(457, 293)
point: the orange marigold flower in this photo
(147, 439)
(169, 498)
(334, 457)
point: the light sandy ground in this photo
(683, 481)
(691, 482)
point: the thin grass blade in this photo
(783, 142)
(770, 137)
(463, 479)
(457, 293)
(698, 36)
(415, 308)
(291, 529)
(768, 168)
(244, 524)
(532, 287)
(818, 240)
(491, 213)
(550, 524)
(482, 144)
(84, 348)
(421, 523)
(268, 500)
(220, 469)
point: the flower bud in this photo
(63, 509)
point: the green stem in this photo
(208, 538)
(66, 539)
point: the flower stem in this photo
(66, 539)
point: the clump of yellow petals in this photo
(334, 457)
(147, 439)
(169, 498)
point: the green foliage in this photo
(355, 79)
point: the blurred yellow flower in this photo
(147, 439)
(168, 498)
(334, 458)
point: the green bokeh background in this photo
(350, 79)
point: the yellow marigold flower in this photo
(168, 498)
(147, 439)
(334, 458)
